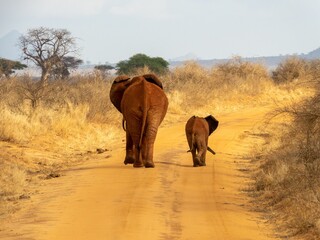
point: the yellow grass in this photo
(74, 118)
(12, 179)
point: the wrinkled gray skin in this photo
(198, 131)
(143, 104)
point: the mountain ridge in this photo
(269, 61)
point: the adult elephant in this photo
(143, 104)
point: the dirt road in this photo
(105, 199)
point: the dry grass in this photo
(41, 128)
(13, 180)
(194, 90)
(70, 119)
(287, 178)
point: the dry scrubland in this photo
(43, 131)
(286, 182)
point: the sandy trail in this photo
(104, 199)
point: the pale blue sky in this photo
(110, 30)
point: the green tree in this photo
(157, 64)
(7, 67)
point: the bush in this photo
(291, 69)
(239, 77)
(237, 70)
(288, 178)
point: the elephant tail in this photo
(144, 111)
(210, 150)
(124, 124)
(193, 144)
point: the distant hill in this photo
(268, 61)
(187, 57)
(8, 46)
(313, 54)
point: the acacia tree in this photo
(62, 69)
(103, 69)
(157, 64)
(47, 47)
(7, 67)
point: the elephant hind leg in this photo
(134, 155)
(147, 154)
(149, 164)
(195, 158)
(130, 150)
(129, 159)
(148, 140)
(203, 157)
(196, 162)
(137, 162)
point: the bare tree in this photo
(47, 47)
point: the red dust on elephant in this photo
(143, 104)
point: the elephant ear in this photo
(213, 123)
(153, 79)
(121, 78)
(119, 85)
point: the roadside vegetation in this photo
(48, 127)
(287, 177)
(46, 130)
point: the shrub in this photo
(288, 178)
(291, 69)
(238, 77)
(193, 85)
(236, 70)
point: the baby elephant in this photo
(197, 131)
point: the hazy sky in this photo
(110, 30)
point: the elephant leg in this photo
(130, 150)
(201, 153)
(148, 144)
(147, 155)
(193, 150)
(138, 162)
(137, 153)
(203, 157)
(195, 158)
(133, 149)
